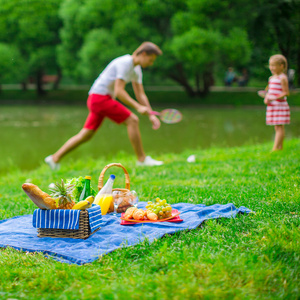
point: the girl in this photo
(278, 111)
(101, 103)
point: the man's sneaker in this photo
(149, 161)
(53, 165)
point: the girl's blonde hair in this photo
(149, 48)
(281, 60)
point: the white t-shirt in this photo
(120, 68)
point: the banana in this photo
(91, 200)
(84, 204)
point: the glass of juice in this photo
(134, 199)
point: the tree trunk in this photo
(197, 80)
(207, 82)
(24, 86)
(298, 62)
(58, 79)
(182, 80)
(39, 83)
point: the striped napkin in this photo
(95, 217)
(66, 218)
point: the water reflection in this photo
(28, 134)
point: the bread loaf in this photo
(40, 198)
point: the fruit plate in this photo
(174, 218)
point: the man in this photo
(101, 103)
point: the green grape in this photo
(164, 209)
(164, 201)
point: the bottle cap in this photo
(88, 177)
(112, 176)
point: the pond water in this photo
(28, 134)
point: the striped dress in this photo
(278, 111)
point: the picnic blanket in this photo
(19, 233)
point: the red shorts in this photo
(101, 106)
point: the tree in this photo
(195, 35)
(275, 29)
(32, 27)
(11, 64)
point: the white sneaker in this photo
(149, 161)
(53, 165)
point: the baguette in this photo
(40, 198)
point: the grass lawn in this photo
(249, 257)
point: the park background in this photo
(50, 54)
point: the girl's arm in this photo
(285, 87)
(265, 94)
(143, 99)
(122, 95)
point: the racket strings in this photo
(171, 116)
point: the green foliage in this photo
(11, 64)
(275, 29)
(32, 28)
(98, 50)
(198, 48)
(78, 183)
(173, 25)
(199, 38)
(248, 257)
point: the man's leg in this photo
(82, 136)
(132, 123)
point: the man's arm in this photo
(140, 94)
(143, 99)
(122, 95)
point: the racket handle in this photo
(156, 113)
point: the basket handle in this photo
(101, 177)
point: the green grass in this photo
(156, 97)
(248, 257)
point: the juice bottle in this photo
(104, 197)
(104, 201)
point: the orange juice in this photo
(104, 202)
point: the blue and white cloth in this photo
(66, 218)
(95, 217)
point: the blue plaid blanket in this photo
(19, 233)
(66, 218)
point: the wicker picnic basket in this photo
(83, 232)
(122, 191)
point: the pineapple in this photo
(63, 191)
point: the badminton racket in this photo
(169, 115)
(262, 93)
